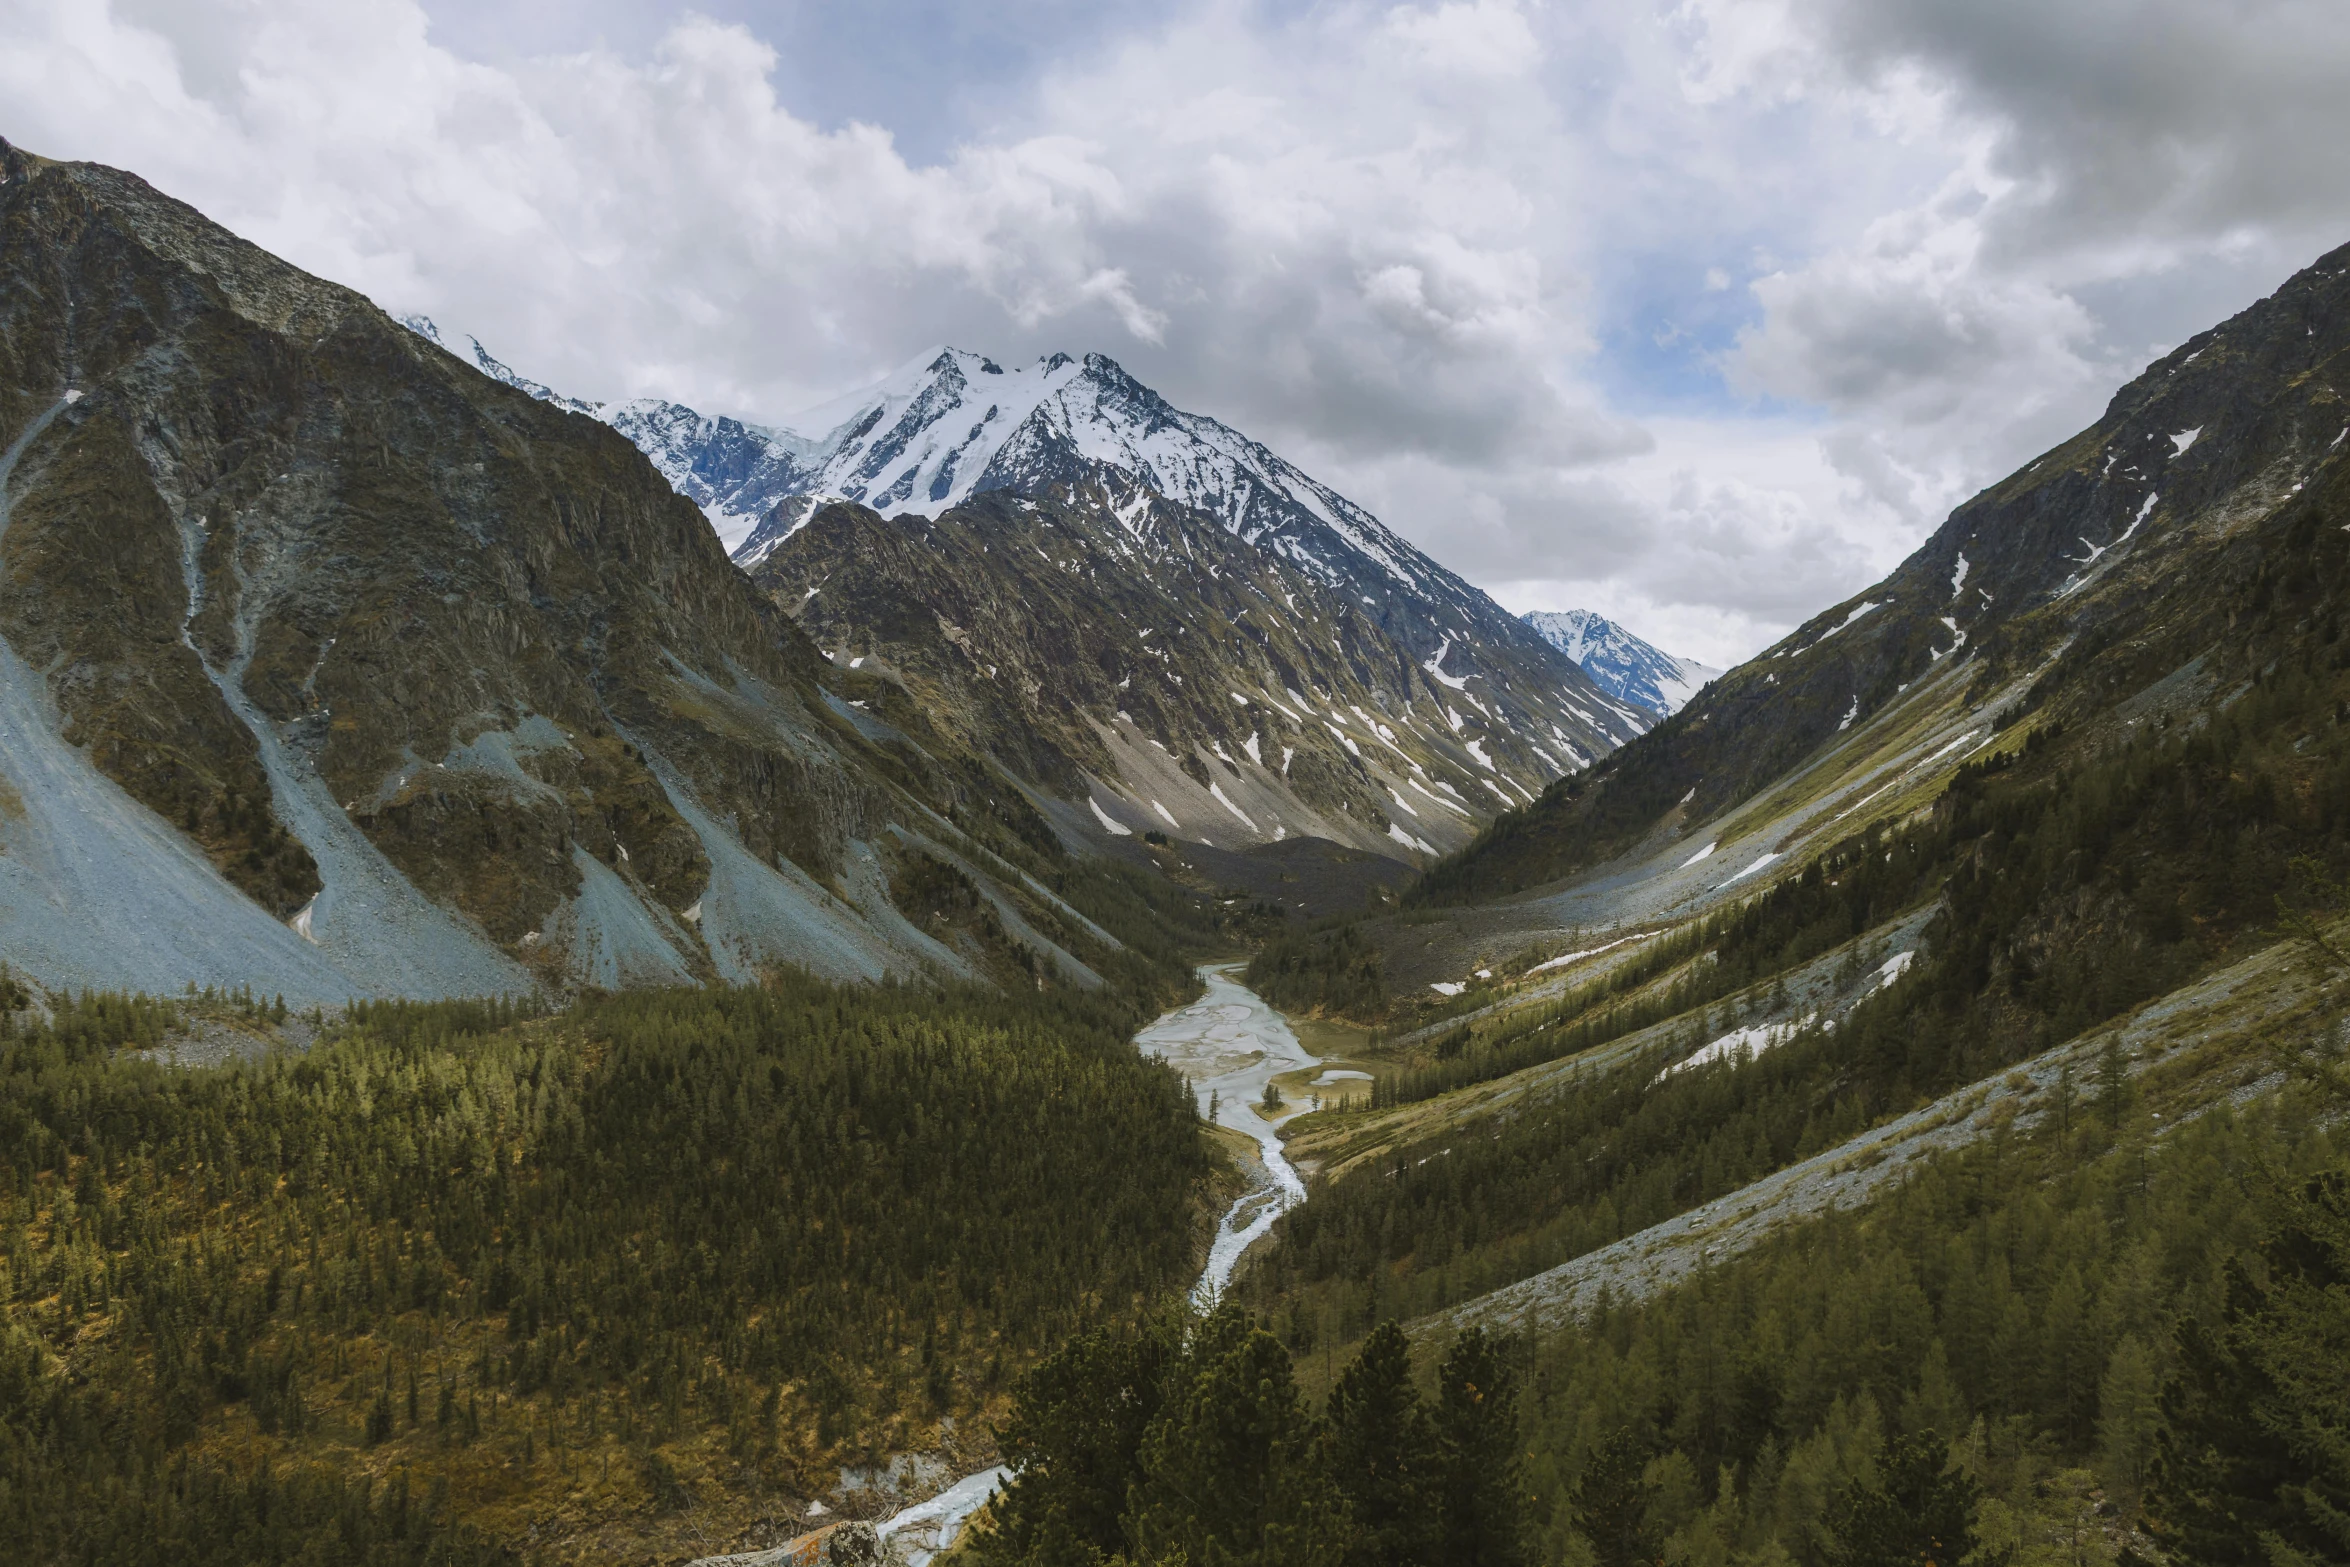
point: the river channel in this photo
(1227, 1045)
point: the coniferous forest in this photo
(457, 1267)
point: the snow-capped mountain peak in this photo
(496, 369)
(1621, 663)
(951, 423)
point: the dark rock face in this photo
(363, 623)
(1090, 631)
(2108, 563)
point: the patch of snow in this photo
(1565, 958)
(1435, 669)
(1958, 577)
(2184, 439)
(1742, 1042)
(1165, 815)
(1406, 839)
(1216, 792)
(1751, 869)
(1109, 822)
(1421, 789)
(1447, 987)
(1864, 607)
(1699, 855)
(1477, 750)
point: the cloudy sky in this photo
(1700, 314)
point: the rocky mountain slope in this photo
(1162, 675)
(2031, 803)
(331, 665)
(2149, 548)
(1196, 543)
(1621, 663)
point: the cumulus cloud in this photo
(2132, 124)
(622, 227)
(2120, 175)
(1700, 314)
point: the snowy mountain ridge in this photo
(1155, 515)
(949, 424)
(1621, 663)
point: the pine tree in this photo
(2253, 1465)
(1230, 1471)
(1384, 1457)
(1918, 1512)
(1074, 1443)
(1610, 1507)
(1477, 1433)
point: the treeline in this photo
(1431, 1223)
(1189, 1442)
(2113, 1342)
(658, 1248)
(1857, 885)
(2169, 846)
(1333, 971)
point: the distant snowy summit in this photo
(1620, 663)
(950, 424)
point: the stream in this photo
(1228, 1045)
